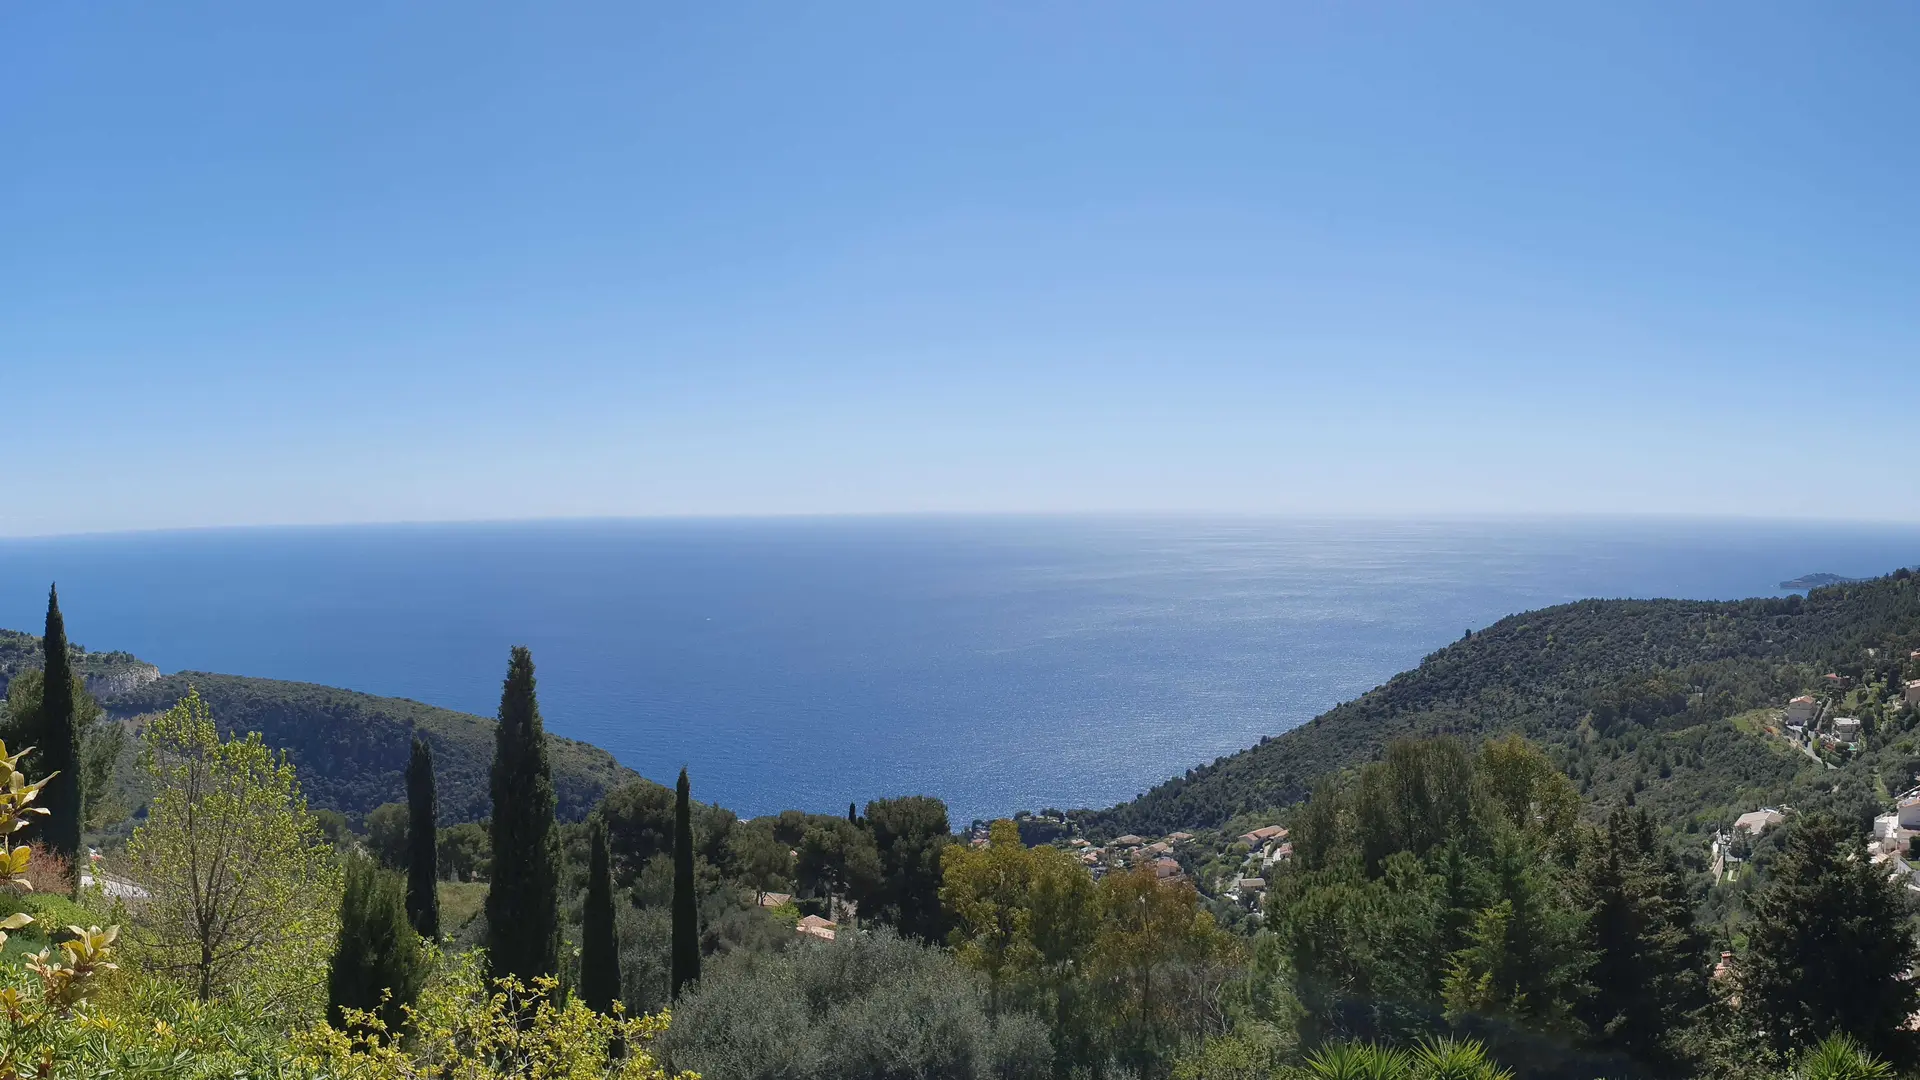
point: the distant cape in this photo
(1817, 581)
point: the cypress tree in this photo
(423, 839)
(378, 955)
(523, 910)
(853, 815)
(60, 745)
(599, 946)
(686, 917)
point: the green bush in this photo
(865, 1007)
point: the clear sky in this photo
(277, 262)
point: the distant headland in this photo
(1817, 581)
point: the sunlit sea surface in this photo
(999, 663)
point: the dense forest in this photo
(1658, 681)
(350, 748)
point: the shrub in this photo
(465, 1029)
(865, 1007)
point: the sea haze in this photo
(998, 663)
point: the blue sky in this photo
(277, 263)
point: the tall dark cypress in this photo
(686, 916)
(599, 946)
(60, 746)
(853, 814)
(423, 843)
(523, 909)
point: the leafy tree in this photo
(1528, 791)
(423, 836)
(333, 826)
(985, 890)
(599, 946)
(523, 913)
(1829, 947)
(466, 852)
(760, 858)
(1156, 945)
(387, 829)
(910, 834)
(59, 739)
(1649, 972)
(243, 884)
(378, 963)
(639, 819)
(837, 859)
(686, 913)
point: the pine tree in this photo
(599, 945)
(1649, 969)
(686, 916)
(60, 742)
(910, 835)
(378, 964)
(1829, 948)
(523, 916)
(423, 839)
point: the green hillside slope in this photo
(1659, 681)
(351, 748)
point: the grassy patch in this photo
(460, 903)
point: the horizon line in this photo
(1464, 516)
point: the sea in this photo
(1000, 663)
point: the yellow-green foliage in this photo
(463, 1030)
(244, 884)
(34, 1016)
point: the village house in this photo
(1909, 812)
(1838, 682)
(815, 926)
(1128, 841)
(775, 899)
(1756, 822)
(1179, 837)
(1168, 871)
(1160, 847)
(1260, 837)
(1846, 729)
(1802, 710)
(1912, 696)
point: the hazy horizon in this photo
(1120, 515)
